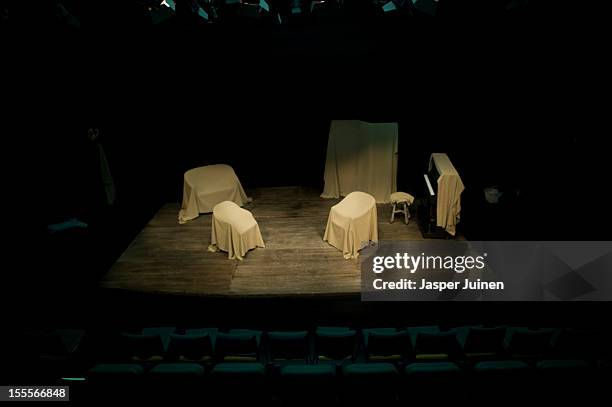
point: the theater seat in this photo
(238, 345)
(288, 347)
(142, 347)
(190, 347)
(435, 346)
(177, 370)
(336, 345)
(387, 345)
(528, 344)
(435, 368)
(484, 343)
(500, 366)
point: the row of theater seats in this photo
(343, 344)
(341, 363)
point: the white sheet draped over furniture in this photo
(450, 188)
(234, 230)
(352, 224)
(205, 187)
(361, 156)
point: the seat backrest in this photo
(142, 346)
(288, 345)
(489, 340)
(335, 344)
(530, 342)
(236, 345)
(194, 347)
(386, 344)
(438, 343)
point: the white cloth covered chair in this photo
(234, 230)
(204, 187)
(352, 224)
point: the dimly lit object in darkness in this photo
(492, 194)
(169, 4)
(162, 13)
(72, 223)
(245, 9)
(105, 174)
(194, 10)
(426, 6)
(408, 6)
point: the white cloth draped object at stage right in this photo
(352, 224)
(450, 187)
(361, 156)
(205, 187)
(234, 230)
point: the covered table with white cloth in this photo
(205, 187)
(234, 230)
(352, 224)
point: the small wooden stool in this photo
(405, 200)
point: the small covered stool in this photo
(352, 224)
(234, 230)
(204, 187)
(403, 199)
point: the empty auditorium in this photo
(307, 203)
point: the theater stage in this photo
(168, 258)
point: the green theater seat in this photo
(484, 343)
(528, 344)
(432, 368)
(250, 369)
(238, 346)
(190, 347)
(115, 370)
(435, 346)
(370, 369)
(177, 369)
(545, 365)
(503, 365)
(288, 347)
(387, 345)
(335, 344)
(142, 347)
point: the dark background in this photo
(515, 100)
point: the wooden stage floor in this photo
(168, 258)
